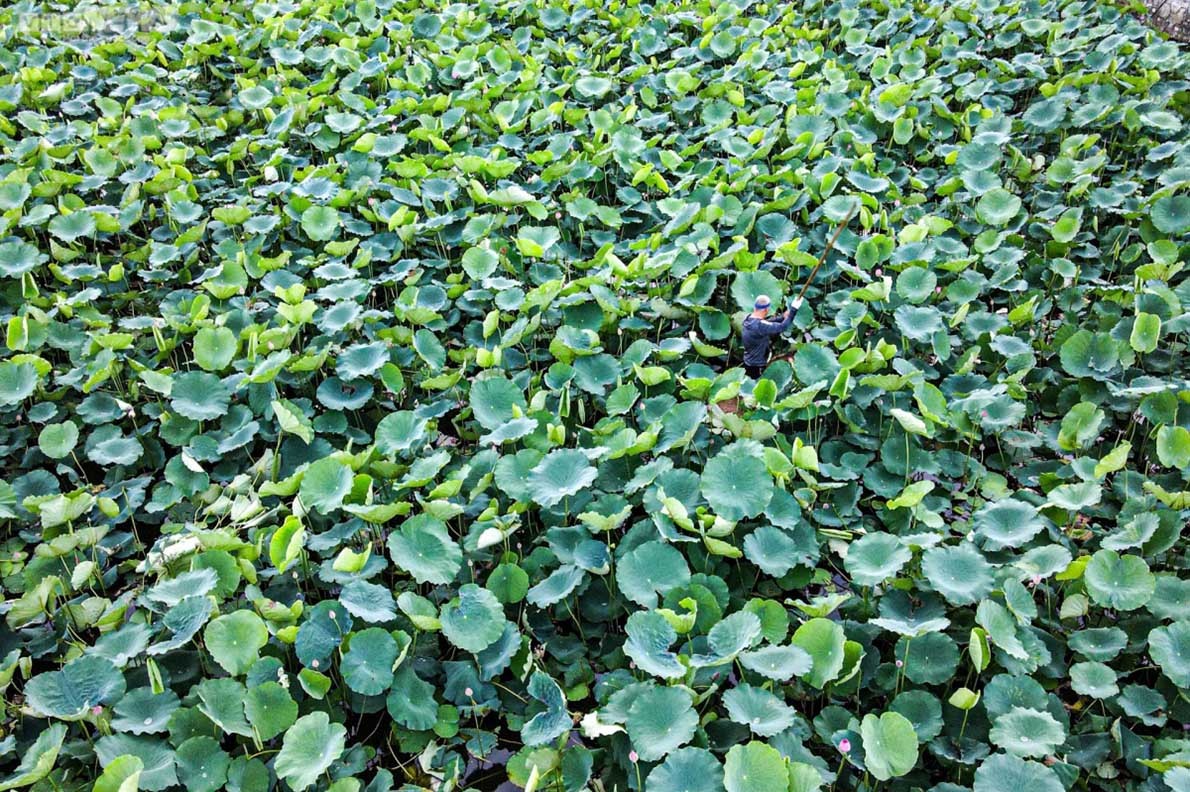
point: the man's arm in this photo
(776, 328)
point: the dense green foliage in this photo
(370, 409)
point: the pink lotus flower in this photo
(845, 745)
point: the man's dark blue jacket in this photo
(757, 337)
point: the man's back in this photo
(756, 334)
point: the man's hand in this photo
(786, 313)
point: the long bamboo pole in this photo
(797, 303)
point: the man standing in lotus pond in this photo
(758, 332)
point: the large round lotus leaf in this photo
(411, 702)
(368, 601)
(235, 640)
(815, 363)
(1170, 649)
(1027, 732)
(735, 633)
(916, 284)
(555, 588)
(918, 323)
(495, 400)
(59, 439)
(308, 749)
(1099, 643)
(38, 760)
(687, 770)
(1119, 582)
(1096, 680)
(650, 569)
(321, 631)
(759, 710)
(367, 667)
(1171, 214)
(509, 582)
(142, 711)
(747, 286)
(70, 227)
(269, 708)
(559, 475)
(874, 558)
(480, 262)
(221, 701)
(960, 573)
(649, 638)
(754, 767)
(1007, 773)
(421, 611)
(156, 755)
(1008, 523)
(781, 663)
(996, 207)
(1169, 597)
(339, 394)
(199, 396)
(547, 726)
(473, 620)
(361, 360)
(773, 550)
(325, 484)
(107, 445)
(121, 775)
(512, 473)
(660, 720)
(255, 98)
(71, 692)
(399, 431)
(929, 659)
(890, 745)
(18, 381)
(202, 764)
(214, 348)
(736, 481)
(321, 222)
(1173, 446)
(923, 710)
(424, 549)
(823, 640)
(17, 258)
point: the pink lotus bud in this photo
(879, 272)
(1035, 580)
(371, 202)
(845, 745)
(97, 710)
(633, 757)
(983, 413)
(557, 215)
(468, 692)
(937, 290)
(900, 664)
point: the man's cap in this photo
(763, 301)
